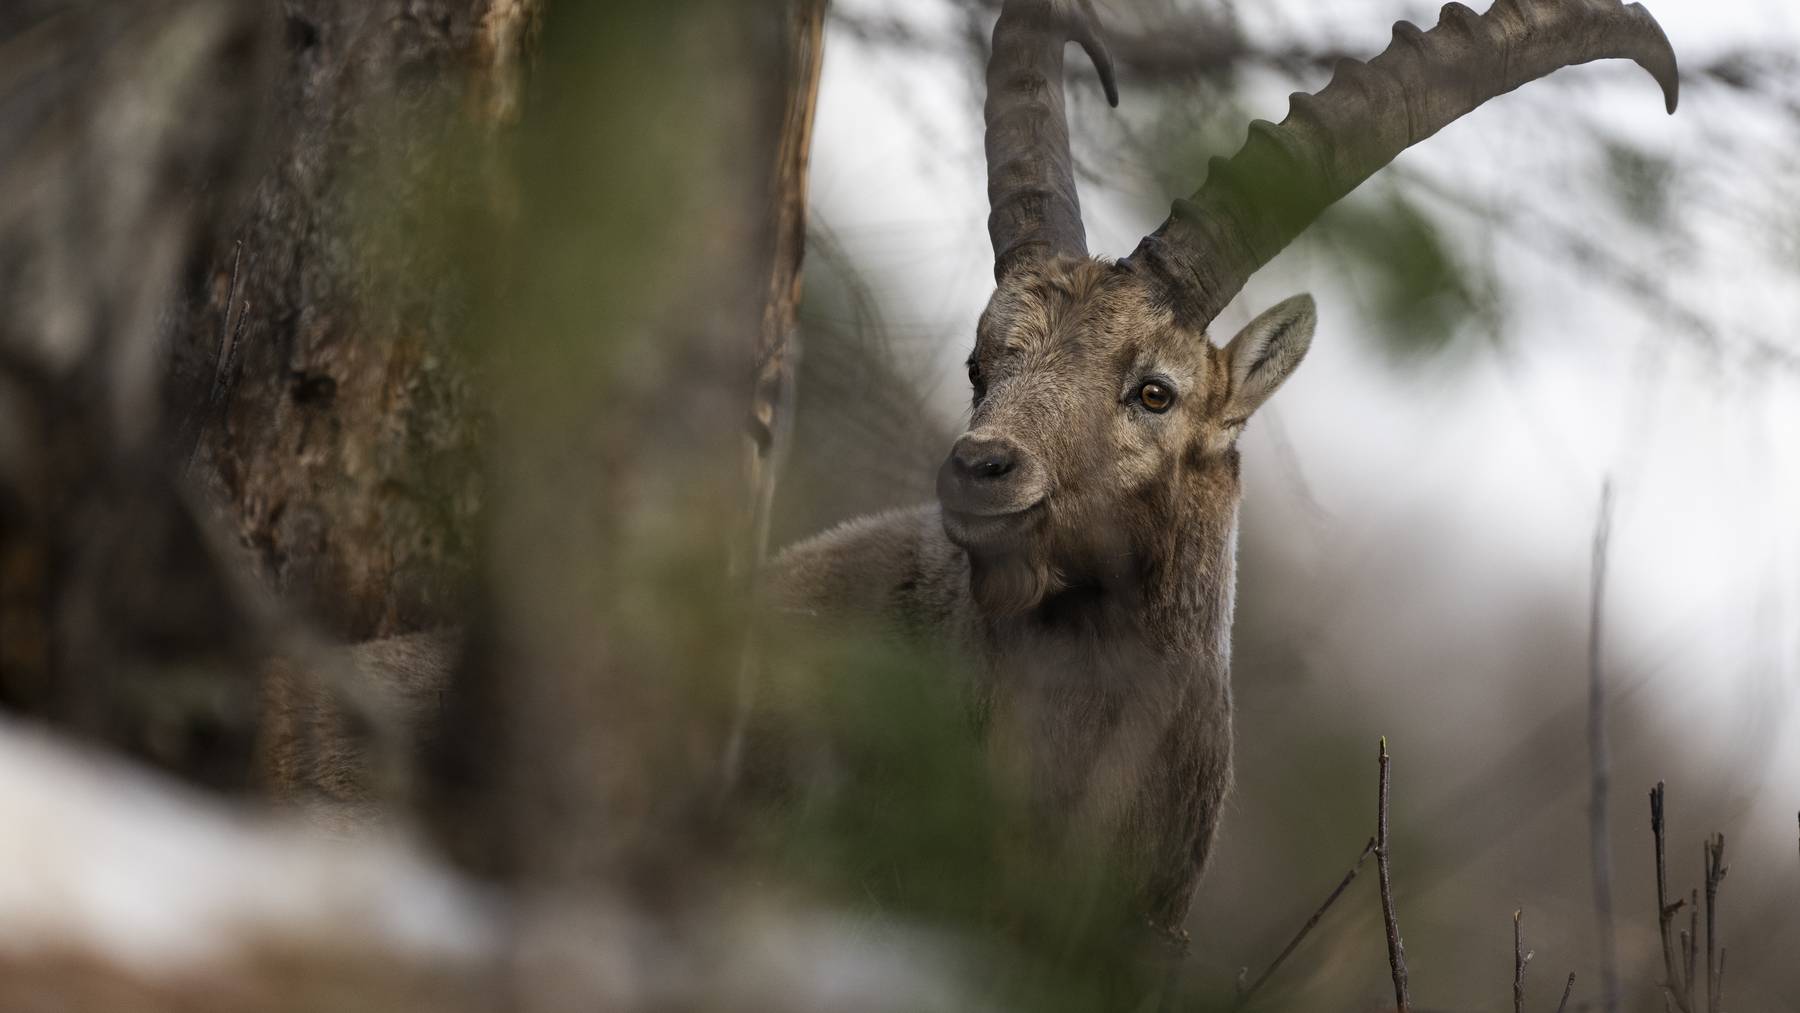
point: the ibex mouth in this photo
(992, 532)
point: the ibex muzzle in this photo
(989, 487)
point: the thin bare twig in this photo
(1665, 914)
(1521, 957)
(1567, 989)
(1688, 951)
(1681, 979)
(1715, 874)
(1599, 772)
(1245, 994)
(1691, 949)
(1396, 949)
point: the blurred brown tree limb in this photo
(583, 731)
(769, 427)
(776, 346)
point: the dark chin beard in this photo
(1009, 585)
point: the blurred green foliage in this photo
(1398, 258)
(1640, 182)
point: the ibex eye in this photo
(1155, 396)
(976, 381)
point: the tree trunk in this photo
(336, 423)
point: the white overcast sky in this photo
(1501, 455)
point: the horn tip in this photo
(1103, 65)
(1669, 76)
(1085, 32)
(1660, 60)
(1111, 88)
(1662, 67)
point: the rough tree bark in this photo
(236, 205)
(343, 450)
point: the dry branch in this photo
(1567, 989)
(1689, 949)
(1245, 994)
(1521, 957)
(1714, 850)
(1396, 949)
(1665, 912)
(1681, 976)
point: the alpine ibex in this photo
(1083, 546)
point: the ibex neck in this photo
(1190, 572)
(1171, 590)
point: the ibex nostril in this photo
(983, 459)
(992, 467)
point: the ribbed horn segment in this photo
(1034, 212)
(1254, 204)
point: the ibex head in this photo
(1096, 387)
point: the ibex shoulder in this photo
(896, 565)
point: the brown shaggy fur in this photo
(1102, 628)
(334, 747)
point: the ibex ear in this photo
(1265, 352)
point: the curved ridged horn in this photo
(1033, 210)
(1284, 177)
